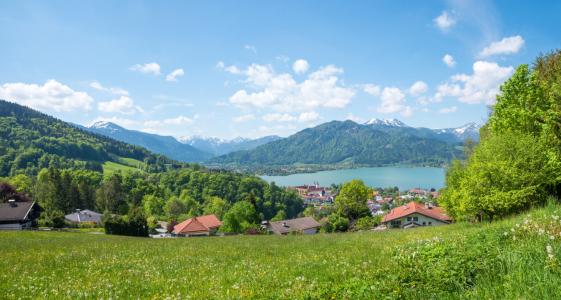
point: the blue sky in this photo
(256, 68)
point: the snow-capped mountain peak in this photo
(469, 130)
(386, 122)
(105, 126)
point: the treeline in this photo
(31, 141)
(177, 194)
(517, 163)
(336, 142)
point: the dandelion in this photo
(552, 237)
(506, 233)
(550, 256)
(512, 229)
(514, 238)
(517, 225)
(549, 249)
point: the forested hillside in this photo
(336, 141)
(517, 163)
(31, 141)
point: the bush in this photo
(171, 225)
(364, 223)
(135, 224)
(57, 219)
(252, 231)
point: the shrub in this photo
(171, 225)
(364, 223)
(57, 219)
(252, 231)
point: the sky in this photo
(258, 68)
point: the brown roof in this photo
(197, 224)
(436, 213)
(295, 224)
(16, 211)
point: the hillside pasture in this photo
(460, 261)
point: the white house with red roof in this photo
(414, 214)
(203, 225)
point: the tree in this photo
(171, 225)
(9, 192)
(110, 195)
(353, 192)
(23, 184)
(364, 223)
(385, 206)
(58, 219)
(280, 216)
(251, 199)
(240, 217)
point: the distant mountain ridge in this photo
(165, 145)
(450, 135)
(218, 146)
(345, 142)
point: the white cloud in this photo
(309, 117)
(118, 121)
(449, 60)
(124, 105)
(51, 96)
(372, 89)
(153, 123)
(422, 100)
(179, 121)
(444, 21)
(283, 58)
(279, 117)
(154, 131)
(407, 112)
(147, 68)
(392, 100)
(118, 91)
(244, 118)
(282, 93)
(277, 128)
(221, 103)
(482, 86)
(358, 120)
(426, 110)
(264, 129)
(251, 48)
(220, 65)
(300, 66)
(172, 75)
(172, 104)
(196, 116)
(447, 110)
(418, 88)
(506, 46)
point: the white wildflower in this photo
(517, 225)
(549, 249)
(512, 229)
(550, 256)
(552, 237)
(514, 238)
(506, 233)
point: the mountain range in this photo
(165, 145)
(450, 135)
(218, 146)
(346, 142)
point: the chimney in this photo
(284, 224)
(430, 204)
(12, 203)
(426, 206)
(77, 210)
(405, 206)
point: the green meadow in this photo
(516, 258)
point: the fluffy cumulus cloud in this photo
(506, 46)
(449, 60)
(118, 91)
(244, 118)
(447, 110)
(277, 128)
(251, 48)
(279, 118)
(300, 66)
(418, 88)
(392, 100)
(52, 96)
(147, 68)
(118, 121)
(172, 75)
(309, 117)
(152, 123)
(124, 105)
(371, 89)
(282, 93)
(407, 112)
(480, 87)
(445, 21)
(358, 120)
(181, 120)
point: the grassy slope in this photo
(460, 261)
(110, 166)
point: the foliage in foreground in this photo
(510, 259)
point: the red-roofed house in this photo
(203, 225)
(414, 214)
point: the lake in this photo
(404, 177)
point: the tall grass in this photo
(460, 261)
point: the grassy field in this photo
(109, 166)
(460, 261)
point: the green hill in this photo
(31, 141)
(335, 142)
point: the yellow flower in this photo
(395, 291)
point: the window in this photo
(416, 218)
(430, 223)
(424, 223)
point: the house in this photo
(307, 225)
(414, 214)
(17, 215)
(84, 215)
(204, 225)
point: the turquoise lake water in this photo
(404, 177)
